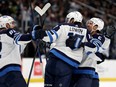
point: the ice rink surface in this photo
(102, 84)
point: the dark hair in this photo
(78, 23)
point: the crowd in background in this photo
(21, 11)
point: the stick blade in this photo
(43, 10)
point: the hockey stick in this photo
(32, 18)
(41, 12)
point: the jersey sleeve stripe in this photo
(50, 36)
(55, 33)
(17, 38)
(97, 42)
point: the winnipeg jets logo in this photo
(43, 10)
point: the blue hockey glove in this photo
(36, 32)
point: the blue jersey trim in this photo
(64, 58)
(96, 76)
(50, 36)
(91, 72)
(8, 69)
(55, 33)
(17, 38)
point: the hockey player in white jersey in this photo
(104, 50)
(100, 54)
(64, 56)
(10, 58)
(84, 74)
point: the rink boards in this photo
(106, 70)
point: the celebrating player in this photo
(67, 52)
(94, 52)
(10, 59)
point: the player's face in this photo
(13, 24)
(89, 25)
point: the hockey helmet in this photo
(6, 19)
(76, 15)
(99, 22)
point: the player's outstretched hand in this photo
(36, 32)
(110, 31)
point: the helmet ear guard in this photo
(77, 16)
(4, 20)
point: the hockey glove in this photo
(110, 31)
(36, 33)
(44, 47)
(101, 56)
(73, 42)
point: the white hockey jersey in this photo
(10, 42)
(58, 35)
(89, 62)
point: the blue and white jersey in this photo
(10, 42)
(91, 54)
(104, 49)
(59, 35)
(22, 47)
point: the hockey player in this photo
(102, 53)
(84, 74)
(108, 32)
(64, 56)
(105, 53)
(10, 58)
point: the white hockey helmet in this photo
(6, 19)
(99, 22)
(76, 15)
